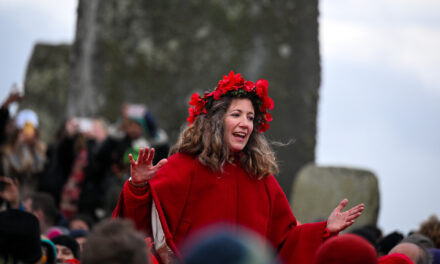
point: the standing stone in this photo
(84, 98)
(46, 86)
(159, 52)
(318, 190)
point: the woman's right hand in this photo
(142, 169)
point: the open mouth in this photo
(239, 134)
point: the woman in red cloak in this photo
(221, 170)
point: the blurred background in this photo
(378, 95)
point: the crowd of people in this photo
(117, 193)
(72, 181)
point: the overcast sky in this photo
(380, 101)
(25, 22)
(380, 95)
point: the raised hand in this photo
(10, 192)
(142, 169)
(13, 97)
(338, 220)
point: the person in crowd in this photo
(419, 239)
(61, 154)
(106, 169)
(84, 147)
(395, 258)
(347, 249)
(431, 229)
(70, 154)
(25, 154)
(221, 169)
(435, 252)
(371, 233)
(417, 253)
(157, 137)
(49, 252)
(97, 172)
(19, 237)
(5, 118)
(42, 205)
(388, 242)
(80, 226)
(81, 222)
(219, 244)
(67, 248)
(113, 242)
(80, 237)
(9, 190)
(9, 194)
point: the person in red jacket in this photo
(221, 170)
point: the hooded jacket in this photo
(185, 196)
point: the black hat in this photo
(388, 242)
(78, 233)
(20, 236)
(67, 241)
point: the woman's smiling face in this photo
(238, 124)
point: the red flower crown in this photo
(235, 86)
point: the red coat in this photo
(189, 196)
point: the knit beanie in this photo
(76, 233)
(50, 252)
(395, 258)
(348, 249)
(67, 241)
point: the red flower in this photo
(232, 83)
(195, 99)
(268, 117)
(217, 94)
(261, 86)
(249, 86)
(263, 127)
(267, 103)
(191, 116)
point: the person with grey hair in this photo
(419, 239)
(416, 252)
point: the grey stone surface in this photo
(318, 190)
(46, 86)
(160, 52)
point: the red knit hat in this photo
(348, 249)
(395, 258)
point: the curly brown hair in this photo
(205, 139)
(431, 229)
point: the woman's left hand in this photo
(338, 221)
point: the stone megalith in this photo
(318, 190)
(46, 86)
(159, 52)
